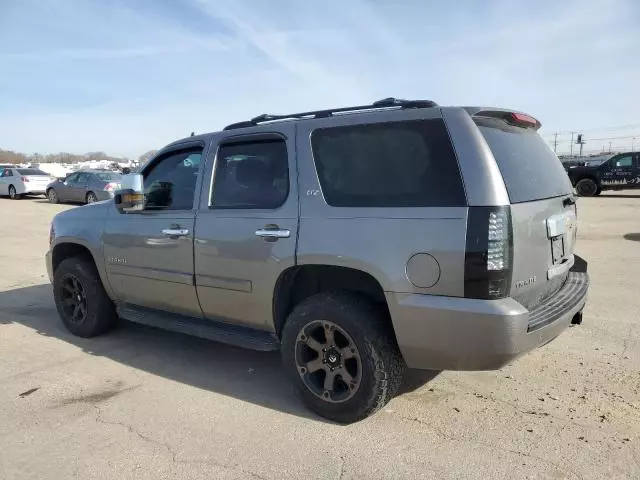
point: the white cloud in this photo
(571, 63)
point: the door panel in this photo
(149, 268)
(76, 189)
(64, 188)
(149, 255)
(618, 171)
(237, 264)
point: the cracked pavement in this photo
(142, 403)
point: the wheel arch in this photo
(67, 248)
(301, 281)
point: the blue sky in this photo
(128, 76)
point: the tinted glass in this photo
(31, 171)
(171, 182)
(529, 168)
(251, 175)
(82, 177)
(396, 164)
(7, 173)
(626, 161)
(107, 176)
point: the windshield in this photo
(31, 171)
(530, 169)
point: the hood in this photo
(91, 211)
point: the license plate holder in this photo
(557, 249)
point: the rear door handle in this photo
(273, 233)
(175, 232)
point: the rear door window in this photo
(393, 164)
(31, 171)
(529, 168)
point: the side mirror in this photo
(130, 197)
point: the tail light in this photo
(488, 259)
(24, 179)
(110, 187)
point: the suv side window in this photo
(394, 164)
(73, 178)
(625, 161)
(252, 174)
(170, 184)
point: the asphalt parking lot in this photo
(143, 403)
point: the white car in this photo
(16, 182)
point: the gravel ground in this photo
(143, 403)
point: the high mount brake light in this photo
(522, 119)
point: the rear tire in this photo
(82, 303)
(13, 194)
(363, 343)
(52, 195)
(91, 198)
(586, 187)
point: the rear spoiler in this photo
(513, 118)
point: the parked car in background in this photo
(16, 182)
(620, 172)
(86, 186)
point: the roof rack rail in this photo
(384, 103)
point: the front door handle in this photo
(273, 233)
(175, 232)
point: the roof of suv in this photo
(389, 103)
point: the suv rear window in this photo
(530, 169)
(394, 164)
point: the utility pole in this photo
(580, 141)
(555, 142)
(633, 143)
(609, 147)
(571, 153)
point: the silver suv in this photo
(358, 241)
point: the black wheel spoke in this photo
(348, 352)
(76, 311)
(328, 333)
(346, 376)
(329, 380)
(68, 288)
(313, 344)
(315, 365)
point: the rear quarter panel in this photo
(378, 241)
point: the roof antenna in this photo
(192, 134)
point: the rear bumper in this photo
(31, 190)
(445, 333)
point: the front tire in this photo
(340, 351)
(82, 303)
(52, 195)
(587, 187)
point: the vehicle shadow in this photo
(255, 377)
(634, 237)
(45, 200)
